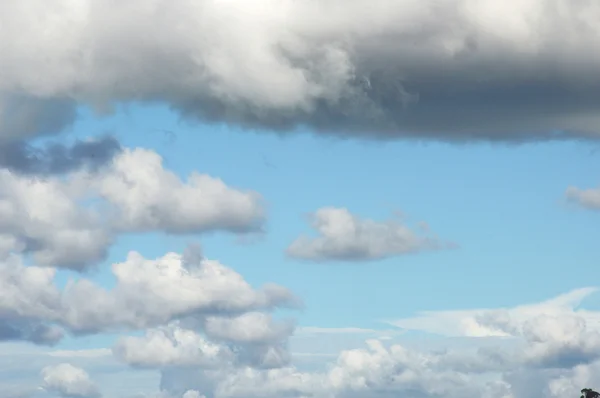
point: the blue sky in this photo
(518, 240)
(503, 205)
(303, 199)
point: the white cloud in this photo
(251, 327)
(82, 213)
(171, 346)
(344, 236)
(57, 231)
(148, 197)
(499, 322)
(552, 354)
(147, 293)
(69, 381)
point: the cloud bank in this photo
(450, 70)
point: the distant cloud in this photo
(588, 198)
(451, 70)
(156, 292)
(69, 381)
(347, 237)
(557, 333)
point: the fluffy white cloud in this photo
(80, 215)
(552, 353)
(147, 293)
(57, 231)
(171, 346)
(69, 381)
(344, 236)
(450, 69)
(148, 197)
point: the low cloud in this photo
(85, 210)
(69, 382)
(347, 237)
(450, 70)
(148, 293)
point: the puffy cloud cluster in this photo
(551, 354)
(83, 212)
(452, 69)
(147, 293)
(347, 237)
(210, 334)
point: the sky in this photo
(319, 199)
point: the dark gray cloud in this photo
(27, 115)
(56, 158)
(451, 70)
(24, 330)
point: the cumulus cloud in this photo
(84, 211)
(174, 346)
(148, 197)
(452, 70)
(58, 233)
(171, 346)
(553, 352)
(540, 360)
(147, 293)
(69, 381)
(344, 236)
(374, 371)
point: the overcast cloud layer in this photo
(444, 69)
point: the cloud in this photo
(147, 197)
(552, 353)
(148, 293)
(191, 362)
(85, 210)
(556, 332)
(25, 116)
(347, 237)
(69, 381)
(588, 198)
(171, 346)
(451, 70)
(59, 233)
(251, 327)
(375, 371)
(57, 158)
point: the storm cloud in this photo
(451, 70)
